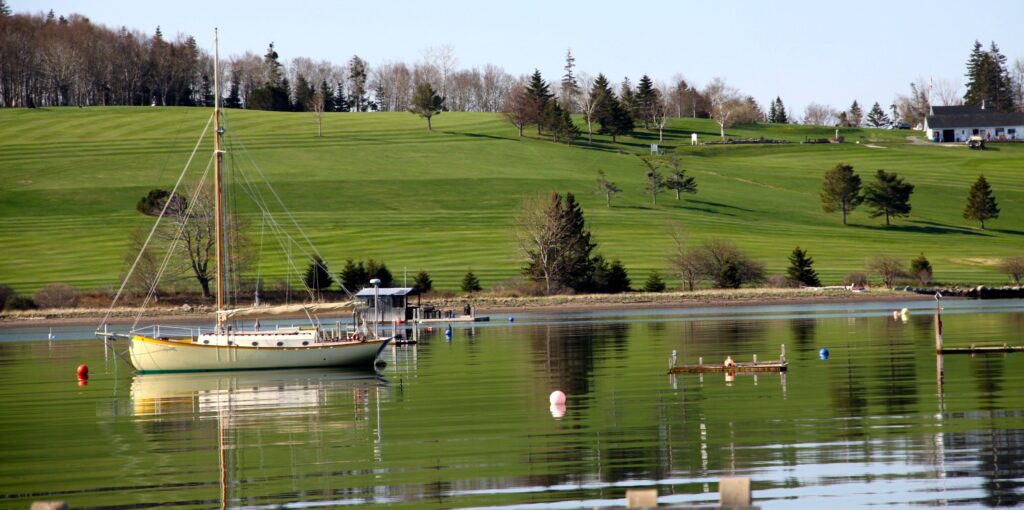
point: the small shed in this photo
(394, 303)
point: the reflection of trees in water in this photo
(988, 376)
(896, 370)
(733, 335)
(565, 353)
(999, 453)
(803, 332)
(848, 393)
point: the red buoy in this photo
(83, 371)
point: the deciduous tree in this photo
(725, 103)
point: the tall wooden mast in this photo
(218, 156)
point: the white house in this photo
(959, 123)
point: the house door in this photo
(947, 135)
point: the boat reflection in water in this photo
(239, 397)
(278, 413)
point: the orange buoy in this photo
(83, 371)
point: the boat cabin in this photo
(394, 303)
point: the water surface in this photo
(466, 423)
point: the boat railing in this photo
(157, 331)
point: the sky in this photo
(824, 52)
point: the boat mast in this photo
(218, 156)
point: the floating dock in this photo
(458, 318)
(743, 367)
(980, 349)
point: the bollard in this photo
(734, 491)
(641, 498)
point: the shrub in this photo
(56, 295)
(470, 283)
(780, 281)
(727, 266)
(921, 270)
(654, 283)
(153, 203)
(889, 269)
(1013, 267)
(21, 303)
(422, 282)
(380, 271)
(6, 294)
(856, 279)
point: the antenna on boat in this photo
(218, 156)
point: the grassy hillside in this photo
(381, 186)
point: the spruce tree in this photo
(654, 283)
(773, 113)
(780, 114)
(540, 93)
(317, 277)
(380, 271)
(233, 100)
(5, 10)
(570, 88)
(628, 98)
(856, 116)
(577, 247)
(801, 269)
(426, 103)
(647, 98)
(840, 190)
(889, 195)
(354, 276)
(470, 283)
(877, 117)
(981, 203)
(328, 95)
(422, 283)
(976, 65)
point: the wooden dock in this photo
(746, 368)
(743, 367)
(458, 318)
(980, 349)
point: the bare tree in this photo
(541, 236)
(655, 181)
(519, 108)
(819, 115)
(316, 107)
(194, 226)
(687, 263)
(442, 60)
(947, 93)
(1017, 82)
(888, 268)
(725, 104)
(587, 101)
(659, 114)
(1013, 267)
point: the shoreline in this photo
(502, 305)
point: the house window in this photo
(999, 131)
(974, 131)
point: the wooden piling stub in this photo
(641, 498)
(734, 491)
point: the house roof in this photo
(386, 291)
(957, 110)
(979, 118)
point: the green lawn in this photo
(381, 186)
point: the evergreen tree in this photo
(617, 121)
(921, 270)
(340, 103)
(317, 277)
(679, 182)
(889, 195)
(5, 10)
(565, 130)
(358, 71)
(856, 116)
(655, 182)
(233, 100)
(206, 91)
(539, 93)
(801, 269)
(380, 271)
(426, 103)
(780, 112)
(550, 118)
(841, 190)
(577, 247)
(654, 283)
(988, 80)
(570, 88)
(470, 283)
(328, 95)
(272, 66)
(304, 93)
(422, 283)
(354, 276)
(647, 99)
(877, 117)
(628, 99)
(981, 203)
(617, 280)
(607, 188)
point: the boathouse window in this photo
(280, 344)
(254, 344)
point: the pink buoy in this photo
(83, 372)
(557, 398)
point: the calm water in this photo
(466, 423)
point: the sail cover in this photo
(296, 309)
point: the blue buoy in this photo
(511, 318)
(823, 353)
(448, 333)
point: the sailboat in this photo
(230, 345)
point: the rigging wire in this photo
(163, 212)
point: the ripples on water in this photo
(466, 423)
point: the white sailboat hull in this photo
(161, 355)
